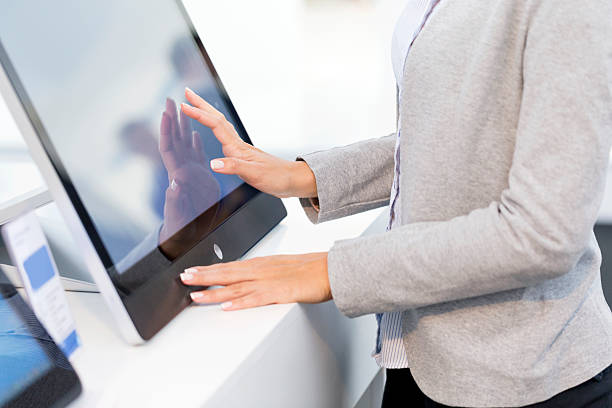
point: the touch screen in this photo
(101, 81)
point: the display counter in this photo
(275, 356)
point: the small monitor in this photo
(35, 373)
(88, 83)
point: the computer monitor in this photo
(87, 83)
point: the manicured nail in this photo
(190, 270)
(188, 89)
(186, 277)
(216, 164)
(184, 106)
(196, 295)
(226, 305)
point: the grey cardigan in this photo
(506, 129)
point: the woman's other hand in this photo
(262, 281)
(267, 173)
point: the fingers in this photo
(230, 165)
(220, 274)
(207, 115)
(171, 111)
(247, 302)
(235, 297)
(197, 101)
(180, 146)
(215, 121)
(166, 149)
(171, 107)
(224, 294)
(239, 271)
(165, 139)
(175, 131)
(231, 304)
(198, 147)
(185, 130)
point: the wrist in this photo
(303, 183)
(326, 283)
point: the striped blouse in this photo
(390, 351)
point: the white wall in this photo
(304, 75)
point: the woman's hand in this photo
(262, 281)
(278, 177)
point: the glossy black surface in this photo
(163, 297)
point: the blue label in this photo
(70, 344)
(39, 268)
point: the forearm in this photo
(488, 251)
(350, 179)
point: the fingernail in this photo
(173, 185)
(185, 106)
(186, 277)
(188, 89)
(196, 295)
(216, 164)
(190, 270)
(226, 305)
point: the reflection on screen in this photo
(105, 79)
(22, 360)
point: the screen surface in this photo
(96, 78)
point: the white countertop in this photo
(301, 355)
(281, 70)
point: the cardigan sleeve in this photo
(350, 179)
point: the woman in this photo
(487, 285)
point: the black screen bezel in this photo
(236, 199)
(57, 386)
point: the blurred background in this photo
(304, 75)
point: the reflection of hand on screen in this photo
(192, 187)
